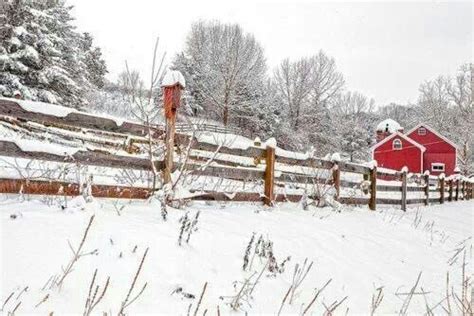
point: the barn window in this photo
(437, 166)
(422, 131)
(397, 144)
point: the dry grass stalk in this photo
(247, 252)
(377, 298)
(429, 311)
(14, 310)
(77, 254)
(448, 301)
(51, 278)
(7, 299)
(45, 298)
(330, 310)
(284, 300)
(200, 299)
(242, 296)
(316, 296)
(464, 303)
(258, 278)
(22, 291)
(128, 301)
(299, 275)
(92, 298)
(406, 303)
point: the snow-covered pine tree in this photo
(44, 58)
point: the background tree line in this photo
(303, 102)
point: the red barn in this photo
(421, 148)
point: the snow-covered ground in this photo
(358, 250)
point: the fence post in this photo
(450, 198)
(404, 190)
(269, 175)
(469, 190)
(336, 178)
(441, 189)
(456, 198)
(463, 190)
(373, 189)
(466, 183)
(427, 188)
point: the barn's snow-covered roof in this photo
(389, 125)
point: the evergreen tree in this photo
(44, 58)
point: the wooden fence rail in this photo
(273, 167)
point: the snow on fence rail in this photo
(274, 167)
(184, 127)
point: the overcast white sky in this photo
(384, 49)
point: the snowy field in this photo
(357, 250)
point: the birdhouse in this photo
(172, 84)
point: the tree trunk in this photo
(226, 115)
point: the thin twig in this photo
(126, 302)
(200, 299)
(284, 300)
(43, 300)
(316, 296)
(6, 301)
(76, 254)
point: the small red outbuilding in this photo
(421, 148)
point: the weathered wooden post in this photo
(172, 84)
(270, 172)
(336, 178)
(466, 183)
(450, 197)
(456, 198)
(373, 188)
(404, 189)
(469, 190)
(441, 188)
(427, 187)
(463, 190)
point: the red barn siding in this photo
(437, 150)
(432, 142)
(409, 156)
(449, 161)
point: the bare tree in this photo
(130, 83)
(144, 106)
(460, 89)
(305, 90)
(229, 65)
(446, 104)
(353, 103)
(434, 101)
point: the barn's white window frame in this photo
(437, 166)
(422, 131)
(397, 144)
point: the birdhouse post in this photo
(172, 84)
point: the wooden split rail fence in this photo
(274, 168)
